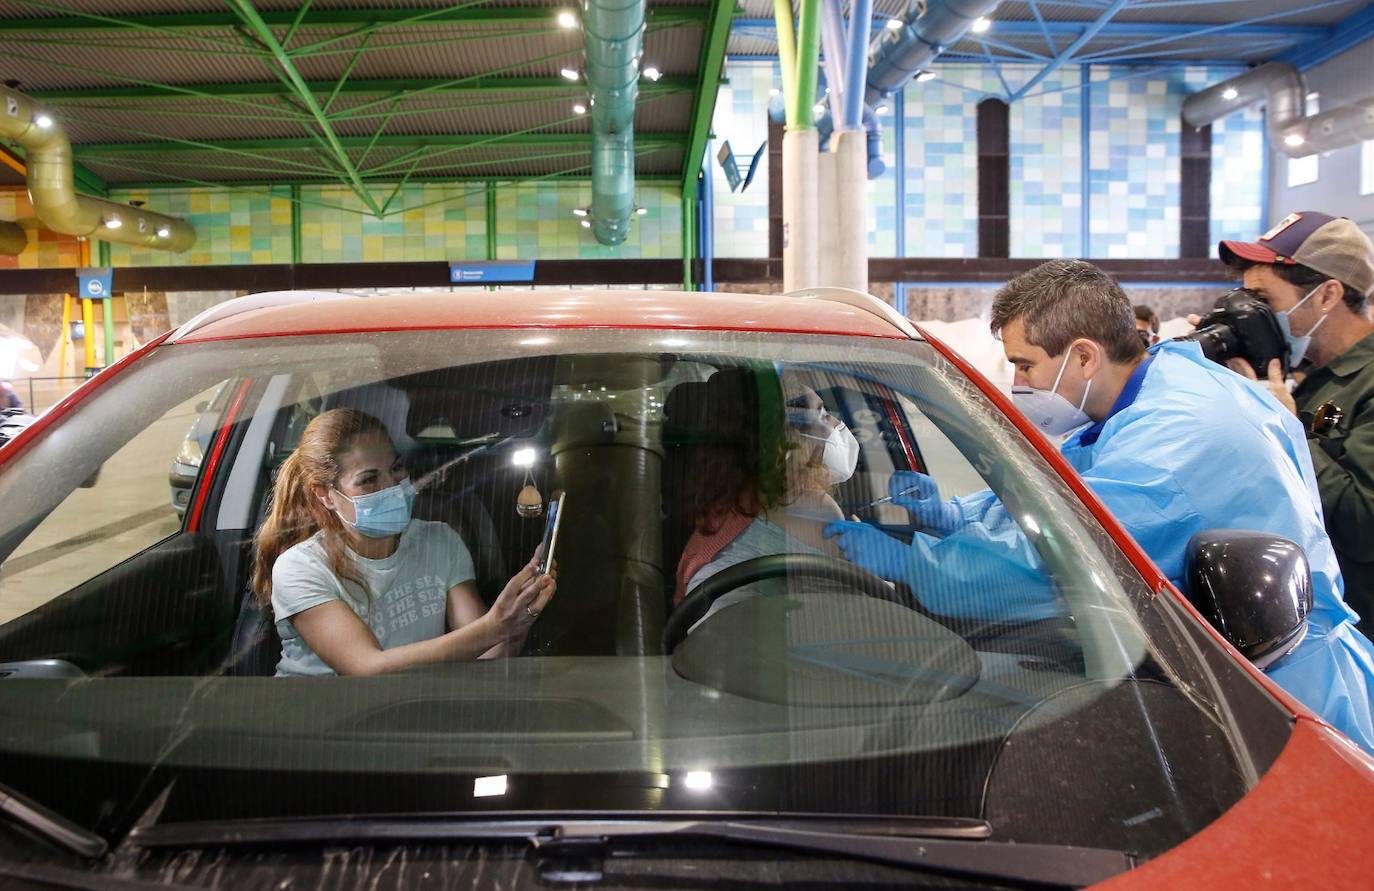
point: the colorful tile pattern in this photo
(47, 249)
(1047, 165)
(233, 226)
(1237, 164)
(741, 118)
(536, 221)
(436, 221)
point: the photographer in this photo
(1316, 272)
(1146, 324)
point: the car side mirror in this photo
(1256, 589)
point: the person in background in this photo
(1147, 324)
(1316, 272)
(9, 397)
(1148, 433)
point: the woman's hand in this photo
(522, 600)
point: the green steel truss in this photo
(278, 40)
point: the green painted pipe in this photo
(107, 322)
(614, 34)
(808, 60)
(787, 54)
(52, 187)
(13, 238)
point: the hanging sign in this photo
(729, 165)
(491, 272)
(754, 165)
(93, 283)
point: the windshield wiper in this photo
(52, 826)
(958, 847)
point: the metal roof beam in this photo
(110, 149)
(710, 66)
(1005, 28)
(400, 86)
(324, 18)
(1357, 28)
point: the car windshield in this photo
(746, 621)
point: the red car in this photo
(701, 704)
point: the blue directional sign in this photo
(94, 282)
(491, 272)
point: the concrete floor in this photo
(127, 510)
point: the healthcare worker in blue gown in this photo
(1172, 443)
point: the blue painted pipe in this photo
(861, 12)
(614, 34)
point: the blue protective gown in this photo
(1199, 448)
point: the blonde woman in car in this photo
(359, 587)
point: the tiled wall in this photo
(536, 221)
(437, 221)
(232, 226)
(46, 249)
(1047, 166)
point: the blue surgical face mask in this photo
(1297, 346)
(382, 514)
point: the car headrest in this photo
(709, 410)
(386, 403)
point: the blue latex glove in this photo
(871, 549)
(920, 495)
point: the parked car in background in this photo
(823, 728)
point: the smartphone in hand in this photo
(550, 541)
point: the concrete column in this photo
(827, 199)
(849, 148)
(800, 210)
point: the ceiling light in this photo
(579, 211)
(895, 24)
(1294, 139)
(579, 108)
(570, 74)
(113, 223)
(586, 224)
(982, 24)
(566, 19)
(924, 76)
(42, 120)
(775, 92)
(1229, 93)
(641, 210)
(164, 232)
(881, 109)
(523, 458)
(652, 73)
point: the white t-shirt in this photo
(409, 591)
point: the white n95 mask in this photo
(1049, 411)
(841, 453)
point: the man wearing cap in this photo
(1316, 272)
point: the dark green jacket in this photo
(1344, 461)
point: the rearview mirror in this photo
(1256, 589)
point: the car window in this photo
(740, 600)
(132, 500)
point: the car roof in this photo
(282, 313)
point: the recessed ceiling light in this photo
(566, 19)
(579, 108)
(570, 74)
(652, 73)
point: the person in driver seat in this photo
(355, 584)
(761, 481)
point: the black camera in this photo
(1241, 325)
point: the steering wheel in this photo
(817, 566)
